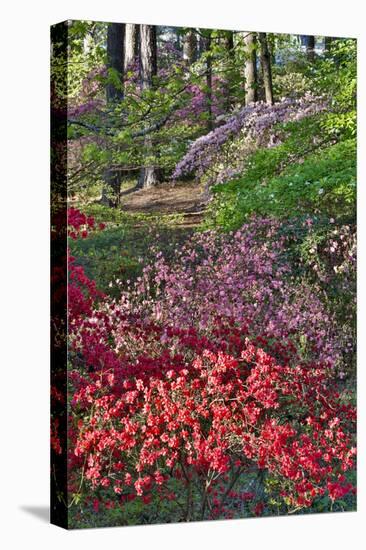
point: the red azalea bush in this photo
(206, 419)
(161, 410)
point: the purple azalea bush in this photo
(253, 126)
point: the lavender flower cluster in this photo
(252, 124)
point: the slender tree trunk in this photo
(201, 43)
(327, 43)
(229, 41)
(209, 81)
(178, 41)
(149, 175)
(272, 49)
(190, 47)
(115, 56)
(148, 55)
(266, 68)
(251, 82)
(115, 47)
(229, 47)
(310, 48)
(131, 44)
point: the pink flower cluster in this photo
(242, 276)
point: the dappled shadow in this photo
(130, 190)
(165, 207)
(186, 197)
(40, 512)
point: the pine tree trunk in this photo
(115, 57)
(209, 82)
(251, 83)
(266, 68)
(327, 43)
(149, 175)
(115, 47)
(131, 44)
(229, 47)
(190, 47)
(310, 48)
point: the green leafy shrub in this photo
(336, 76)
(323, 183)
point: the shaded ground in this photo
(187, 200)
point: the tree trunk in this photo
(251, 83)
(190, 47)
(209, 81)
(115, 51)
(327, 43)
(229, 47)
(229, 41)
(310, 48)
(149, 175)
(266, 68)
(131, 44)
(115, 47)
(272, 49)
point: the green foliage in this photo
(291, 84)
(117, 254)
(325, 183)
(256, 191)
(85, 53)
(336, 76)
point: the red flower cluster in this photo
(204, 418)
(80, 224)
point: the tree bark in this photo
(149, 175)
(209, 81)
(190, 47)
(131, 44)
(266, 68)
(229, 47)
(115, 56)
(310, 48)
(229, 41)
(327, 43)
(115, 47)
(251, 83)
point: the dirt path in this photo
(186, 199)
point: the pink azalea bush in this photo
(241, 276)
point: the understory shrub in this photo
(324, 183)
(204, 424)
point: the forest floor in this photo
(159, 218)
(185, 200)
